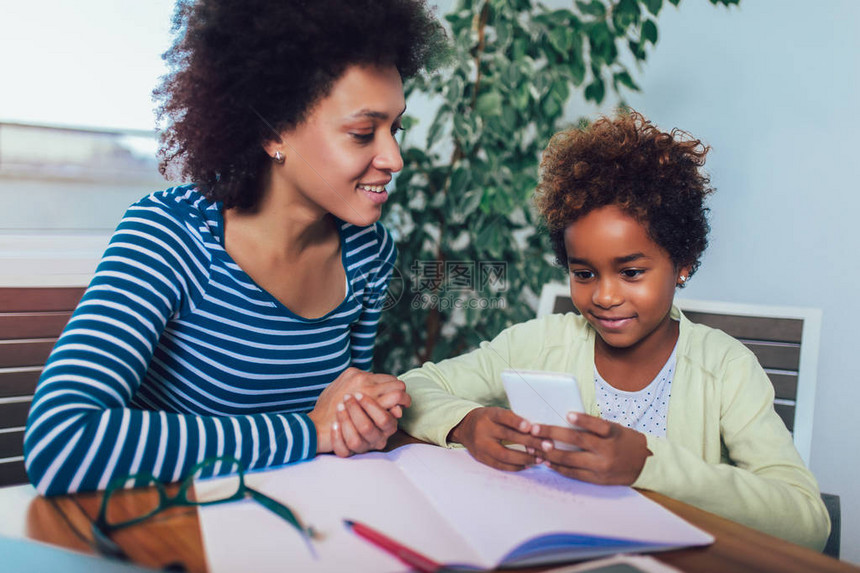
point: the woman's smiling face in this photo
(341, 157)
(621, 281)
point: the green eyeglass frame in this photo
(102, 527)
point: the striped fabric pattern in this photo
(175, 355)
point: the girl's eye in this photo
(581, 275)
(632, 273)
(395, 128)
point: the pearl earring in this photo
(278, 157)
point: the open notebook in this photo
(439, 502)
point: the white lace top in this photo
(645, 410)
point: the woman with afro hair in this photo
(236, 315)
(669, 406)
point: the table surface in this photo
(174, 536)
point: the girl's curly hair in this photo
(243, 71)
(654, 176)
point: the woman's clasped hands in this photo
(358, 412)
(608, 453)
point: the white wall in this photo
(86, 63)
(773, 86)
(91, 63)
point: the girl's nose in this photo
(606, 294)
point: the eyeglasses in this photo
(114, 514)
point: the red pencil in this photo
(408, 556)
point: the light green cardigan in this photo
(726, 450)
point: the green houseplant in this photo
(470, 257)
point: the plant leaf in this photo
(595, 91)
(653, 6)
(624, 79)
(649, 31)
(625, 14)
(489, 104)
(593, 8)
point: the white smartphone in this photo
(543, 397)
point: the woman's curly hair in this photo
(654, 176)
(243, 71)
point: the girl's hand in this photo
(610, 453)
(385, 390)
(362, 425)
(483, 430)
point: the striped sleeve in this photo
(378, 280)
(82, 431)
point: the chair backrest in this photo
(834, 540)
(784, 339)
(31, 319)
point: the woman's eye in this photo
(363, 137)
(632, 273)
(581, 275)
(395, 128)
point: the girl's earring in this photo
(278, 157)
(683, 280)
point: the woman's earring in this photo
(683, 280)
(278, 157)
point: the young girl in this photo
(670, 406)
(237, 316)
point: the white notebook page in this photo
(439, 502)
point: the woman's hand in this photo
(378, 392)
(610, 454)
(483, 432)
(362, 425)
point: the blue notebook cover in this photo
(28, 556)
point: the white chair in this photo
(555, 299)
(785, 340)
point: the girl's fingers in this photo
(513, 460)
(506, 434)
(582, 459)
(566, 435)
(508, 418)
(506, 459)
(593, 424)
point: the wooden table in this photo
(175, 535)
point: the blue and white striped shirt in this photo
(174, 354)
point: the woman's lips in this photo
(375, 193)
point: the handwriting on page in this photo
(553, 487)
(430, 468)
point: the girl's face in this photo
(342, 156)
(621, 281)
